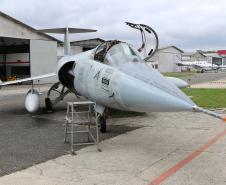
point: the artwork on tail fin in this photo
(150, 40)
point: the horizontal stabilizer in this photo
(63, 30)
(66, 31)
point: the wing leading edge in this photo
(27, 79)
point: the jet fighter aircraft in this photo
(114, 75)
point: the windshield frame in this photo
(121, 53)
(103, 51)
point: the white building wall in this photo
(167, 59)
(60, 51)
(74, 50)
(199, 57)
(186, 58)
(193, 57)
(43, 58)
(10, 28)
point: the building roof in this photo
(27, 26)
(221, 52)
(88, 42)
(193, 53)
(216, 55)
(162, 48)
(200, 52)
(188, 53)
(211, 54)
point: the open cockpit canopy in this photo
(115, 53)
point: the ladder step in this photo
(81, 118)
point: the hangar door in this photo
(43, 58)
(14, 58)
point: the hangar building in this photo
(23, 50)
(193, 56)
(165, 59)
(222, 53)
(213, 57)
(79, 46)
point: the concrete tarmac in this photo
(28, 139)
(141, 156)
(216, 84)
(204, 77)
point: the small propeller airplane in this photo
(201, 66)
(114, 75)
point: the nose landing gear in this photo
(102, 123)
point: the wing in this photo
(27, 79)
(197, 66)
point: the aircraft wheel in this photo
(103, 125)
(202, 71)
(49, 107)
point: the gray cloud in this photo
(187, 24)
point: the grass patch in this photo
(208, 98)
(179, 74)
(113, 113)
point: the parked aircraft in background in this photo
(200, 66)
(114, 75)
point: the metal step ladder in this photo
(81, 119)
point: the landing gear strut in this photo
(49, 106)
(102, 121)
(56, 93)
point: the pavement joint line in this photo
(156, 162)
(158, 180)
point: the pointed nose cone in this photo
(139, 96)
(142, 89)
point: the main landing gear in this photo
(56, 93)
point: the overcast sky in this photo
(187, 24)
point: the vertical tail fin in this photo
(66, 31)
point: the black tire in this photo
(49, 107)
(103, 125)
(202, 71)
